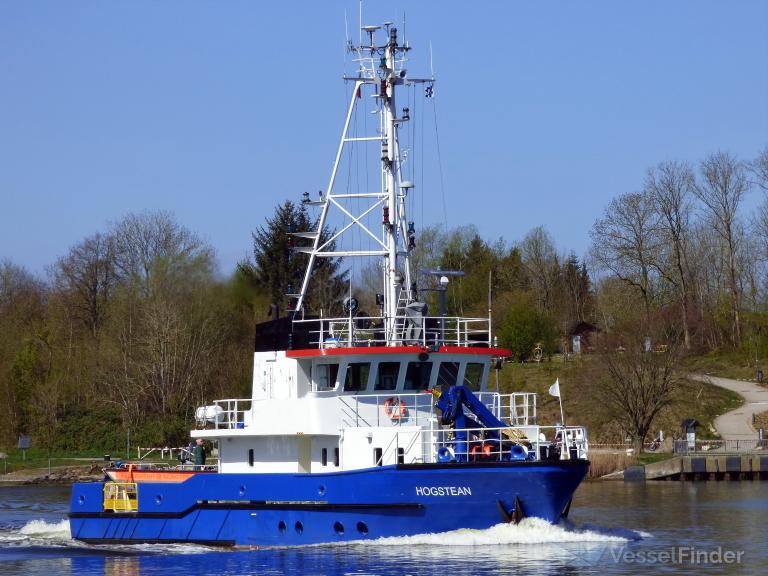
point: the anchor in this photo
(567, 508)
(516, 515)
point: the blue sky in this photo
(218, 110)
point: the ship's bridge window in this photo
(386, 376)
(417, 375)
(448, 374)
(325, 376)
(473, 375)
(357, 376)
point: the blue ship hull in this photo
(298, 509)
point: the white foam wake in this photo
(38, 532)
(47, 530)
(57, 534)
(528, 531)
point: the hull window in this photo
(357, 376)
(250, 457)
(377, 453)
(386, 377)
(325, 456)
(417, 375)
(336, 457)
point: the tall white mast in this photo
(381, 68)
(392, 214)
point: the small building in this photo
(581, 337)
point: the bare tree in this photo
(670, 186)
(85, 278)
(638, 385)
(539, 257)
(721, 189)
(167, 334)
(759, 168)
(152, 247)
(624, 242)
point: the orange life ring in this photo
(394, 408)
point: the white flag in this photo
(554, 390)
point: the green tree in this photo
(278, 269)
(524, 327)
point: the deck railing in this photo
(407, 331)
(518, 408)
(529, 443)
(417, 408)
(538, 443)
(225, 414)
(411, 409)
(396, 409)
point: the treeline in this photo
(682, 259)
(131, 330)
(535, 294)
(133, 327)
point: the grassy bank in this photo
(41, 459)
(726, 364)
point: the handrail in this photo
(481, 448)
(424, 331)
(419, 408)
(224, 414)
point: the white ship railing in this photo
(418, 409)
(228, 414)
(518, 408)
(414, 409)
(530, 443)
(540, 443)
(424, 331)
(365, 410)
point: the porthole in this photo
(299, 528)
(338, 527)
(321, 490)
(81, 499)
(282, 527)
(241, 491)
(362, 528)
(159, 499)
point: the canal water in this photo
(614, 528)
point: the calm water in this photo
(615, 528)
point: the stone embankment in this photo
(57, 475)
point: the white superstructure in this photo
(357, 392)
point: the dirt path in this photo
(737, 424)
